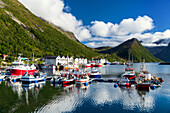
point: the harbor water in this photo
(97, 97)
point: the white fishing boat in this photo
(37, 77)
(84, 78)
(144, 78)
(129, 70)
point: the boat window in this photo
(17, 64)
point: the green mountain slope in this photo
(134, 47)
(23, 32)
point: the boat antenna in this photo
(27, 67)
(129, 57)
(33, 59)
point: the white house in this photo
(58, 60)
(99, 61)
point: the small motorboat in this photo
(13, 78)
(37, 77)
(156, 82)
(56, 80)
(95, 74)
(2, 77)
(67, 79)
(124, 81)
(83, 79)
(98, 65)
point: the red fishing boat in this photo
(19, 68)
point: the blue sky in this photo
(108, 22)
(116, 10)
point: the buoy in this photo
(152, 87)
(127, 84)
(116, 85)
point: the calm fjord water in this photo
(97, 97)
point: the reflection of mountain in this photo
(29, 101)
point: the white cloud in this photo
(126, 26)
(53, 10)
(146, 38)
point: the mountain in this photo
(164, 54)
(103, 48)
(132, 46)
(155, 50)
(23, 32)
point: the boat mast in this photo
(27, 67)
(33, 59)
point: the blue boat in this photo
(95, 74)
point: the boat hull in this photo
(82, 81)
(18, 72)
(32, 80)
(130, 77)
(143, 85)
(96, 76)
(98, 66)
(87, 66)
(64, 82)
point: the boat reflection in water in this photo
(47, 98)
(137, 98)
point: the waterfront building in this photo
(62, 60)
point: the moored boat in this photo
(2, 77)
(95, 74)
(144, 78)
(124, 81)
(84, 78)
(19, 68)
(87, 65)
(98, 65)
(37, 77)
(130, 73)
(67, 79)
(92, 63)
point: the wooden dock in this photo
(104, 80)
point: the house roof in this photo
(50, 57)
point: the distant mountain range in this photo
(161, 52)
(132, 46)
(155, 50)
